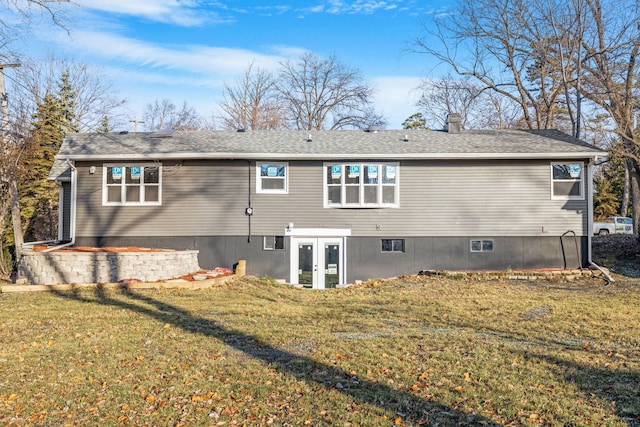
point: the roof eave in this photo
(372, 156)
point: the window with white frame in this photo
(567, 180)
(355, 185)
(272, 178)
(273, 243)
(132, 184)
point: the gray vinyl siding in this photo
(437, 199)
(198, 198)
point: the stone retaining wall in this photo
(48, 268)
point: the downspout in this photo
(590, 167)
(72, 213)
(249, 210)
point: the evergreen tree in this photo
(415, 121)
(105, 126)
(67, 96)
(604, 199)
(38, 195)
(54, 118)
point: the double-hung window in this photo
(361, 185)
(132, 184)
(567, 180)
(272, 178)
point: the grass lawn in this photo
(411, 351)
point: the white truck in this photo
(613, 225)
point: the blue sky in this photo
(184, 50)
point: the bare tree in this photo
(15, 21)
(17, 16)
(549, 56)
(612, 76)
(165, 115)
(94, 95)
(323, 93)
(252, 102)
(441, 97)
(478, 108)
(504, 45)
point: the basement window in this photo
(273, 243)
(392, 245)
(132, 184)
(482, 246)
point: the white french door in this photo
(317, 262)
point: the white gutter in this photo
(335, 156)
(590, 168)
(72, 214)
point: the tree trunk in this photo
(626, 189)
(635, 196)
(18, 238)
(4, 211)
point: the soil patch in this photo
(619, 253)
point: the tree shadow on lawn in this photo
(412, 409)
(621, 386)
(618, 386)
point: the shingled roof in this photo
(326, 145)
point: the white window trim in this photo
(265, 247)
(325, 193)
(259, 188)
(105, 201)
(581, 180)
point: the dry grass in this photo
(413, 351)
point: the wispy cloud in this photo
(338, 7)
(200, 59)
(186, 13)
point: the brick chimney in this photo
(454, 123)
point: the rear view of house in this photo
(322, 208)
